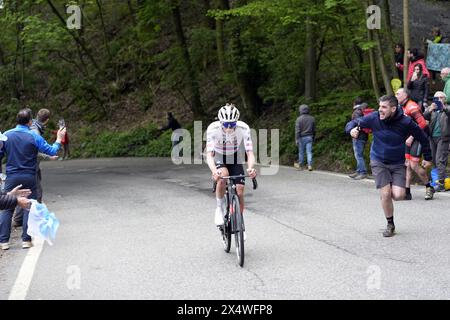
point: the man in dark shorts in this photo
(413, 149)
(390, 129)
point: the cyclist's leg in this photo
(235, 170)
(416, 152)
(221, 183)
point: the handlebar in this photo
(255, 183)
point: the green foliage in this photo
(140, 142)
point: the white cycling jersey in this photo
(217, 140)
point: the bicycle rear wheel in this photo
(238, 228)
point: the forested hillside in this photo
(131, 61)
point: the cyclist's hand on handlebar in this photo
(251, 172)
(216, 175)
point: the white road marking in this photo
(21, 285)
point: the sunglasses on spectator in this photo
(229, 124)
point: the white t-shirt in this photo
(218, 141)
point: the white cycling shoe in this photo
(218, 217)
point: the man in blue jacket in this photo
(21, 148)
(390, 129)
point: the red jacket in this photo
(412, 109)
(412, 64)
(65, 140)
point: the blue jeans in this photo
(358, 150)
(28, 182)
(305, 143)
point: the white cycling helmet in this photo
(228, 113)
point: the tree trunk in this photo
(310, 62)
(382, 65)
(105, 36)
(196, 105)
(220, 41)
(209, 22)
(406, 39)
(373, 67)
(248, 90)
(132, 13)
(2, 57)
(390, 41)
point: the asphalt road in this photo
(143, 228)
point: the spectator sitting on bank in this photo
(173, 124)
(305, 131)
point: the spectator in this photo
(305, 131)
(436, 38)
(360, 142)
(387, 154)
(440, 135)
(415, 58)
(399, 56)
(413, 150)
(436, 35)
(38, 126)
(65, 146)
(21, 148)
(173, 124)
(16, 197)
(445, 75)
(418, 87)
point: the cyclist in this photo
(227, 142)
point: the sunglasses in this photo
(229, 124)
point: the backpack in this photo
(366, 112)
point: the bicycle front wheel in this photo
(226, 229)
(238, 228)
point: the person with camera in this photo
(21, 149)
(438, 116)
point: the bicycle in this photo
(233, 219)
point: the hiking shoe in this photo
(390, 230)
(26, 244)
(439, 187)
(218, 217)
(429, 193)
(4, 246)
(360, 177)
(353, 175)
(408, 196)
(309, 168)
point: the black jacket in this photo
(7, 202)
(419, 89)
